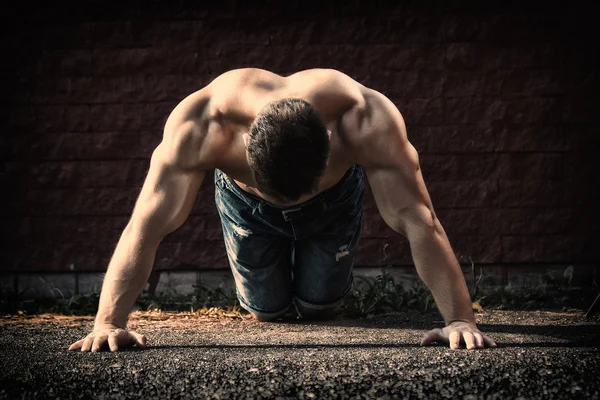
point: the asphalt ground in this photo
(539, 355)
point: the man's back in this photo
(232, 101)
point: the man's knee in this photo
(269, 318)
(316, 314)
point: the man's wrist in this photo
(462, 320)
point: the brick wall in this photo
(500, 103)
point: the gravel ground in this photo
(539, 355)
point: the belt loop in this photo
(287, 214)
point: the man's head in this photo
(287, 149)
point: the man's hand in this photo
(453, 333)
(115, 337)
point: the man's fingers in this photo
(489, 342)
(98, 342)
(454, 340)
(479, 340)
(139, 339)
(469, 340)
(112, 342)
(87, 343)
(432, 336)
(77, 345)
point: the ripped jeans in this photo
(302, 254)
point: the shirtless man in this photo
(288, 154)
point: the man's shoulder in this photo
(187, 130)
(373, 126)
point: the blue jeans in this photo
(302, 253)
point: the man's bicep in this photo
(166, 198)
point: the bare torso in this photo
(235, 98)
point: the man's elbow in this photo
(417, 220)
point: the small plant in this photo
(370, 296)
(382, 295)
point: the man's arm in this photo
(392, 166)
(165, 201)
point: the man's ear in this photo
(329, 134)
(246, 139)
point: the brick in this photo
(64, 63)
(436, 168)
(538, 137)
(531, 166)
(579, 109)
(411, 57)
(129, 89)
(205, 202)
(17, 119)
(147, 118)
(462, 84)
(460, 167)
(137, 89)
(13, 174)
(550, 248)
(530, 221)
(254, 31)
(534, 110)
(413, 28)
(581, 164)
(580, 136)
(419, 111)
(147, 61)
(474, 110)
(98, 34)
(88, 174)
(530, 28)
(86, 201)
(467, 221)
(52, 256)
(472, 138)
(534, 193)
(463, 194)
(346, 58)
(492, 83)
(148, 142)
(186, 256)
(72, 118)
(197, 229)
(72, 146)
(412, 85)
(377, 252)
(472, 28)
(473, 56)
(75, 228)
(535, 83)
(479, 249)
(17, 90)
(227, 56)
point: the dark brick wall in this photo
(500, 103)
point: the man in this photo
(288, 154)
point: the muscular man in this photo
(288, 154)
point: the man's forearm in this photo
(438, 267)
(127, 274)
